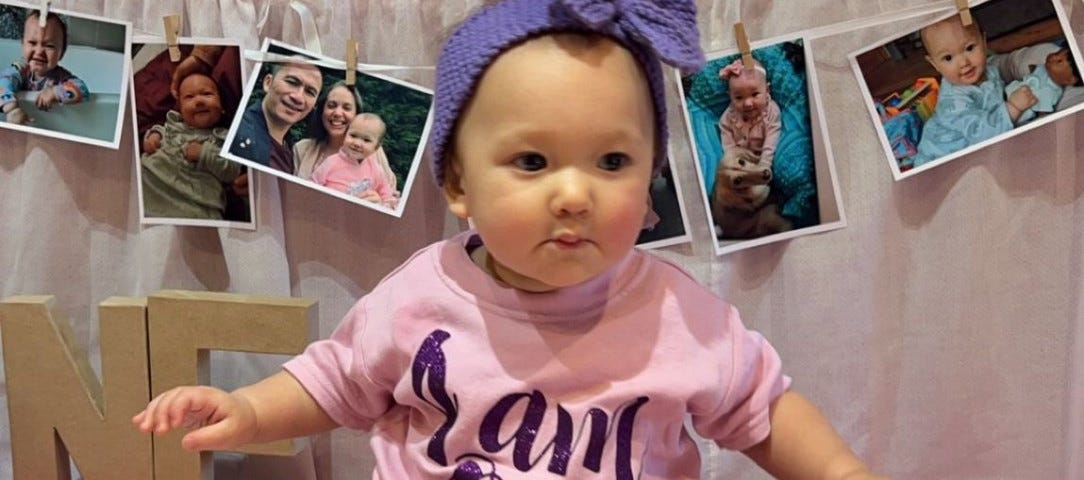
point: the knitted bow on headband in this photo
(652, 30)
(667, 27)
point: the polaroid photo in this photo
(64, 80)
(179, 135)
(761, 146)
(301, 122)
(946, 90)
(667, 223)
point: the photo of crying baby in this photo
(962, 83)
(62, 74)
(760, 146)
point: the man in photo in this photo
(290, 92)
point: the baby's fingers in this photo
(217, 436)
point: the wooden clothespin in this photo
(965, 12)
(743, 46)
(172, 24)
(351, 62)
(43, 15)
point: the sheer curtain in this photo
(942, 331)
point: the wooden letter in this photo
(57, 406)
(185, 326)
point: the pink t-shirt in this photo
(454, 373)
(347, 175)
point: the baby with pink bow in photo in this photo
(752, 120)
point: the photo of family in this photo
(666, 223)
(182, 112)
(765, 169)
(948, 89)
(303, 122)
(62, 74)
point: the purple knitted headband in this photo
(652, 30)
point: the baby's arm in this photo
(1019, 101)
(802, 444)
(72, 90)
(726, 132)
(319, 175)
(152, 140)
(208, 159)
(11, 80)
(276, 408)
(772, 128)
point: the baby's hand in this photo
(46, 99)
(369, 196)
(240, 185)
(19, 117)
(1023, 98)
(218, 420)
(152, 142)
(192, 151)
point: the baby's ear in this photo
(454, 192)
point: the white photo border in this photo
(882, 137)
(829, 199)
(125, 74)
(415, 162)
(685, 236)
(252, 182)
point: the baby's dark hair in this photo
(1075, 69)
(35, 13)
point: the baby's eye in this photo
(946, 58)
(530, 162)
(613, 161)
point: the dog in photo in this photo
(742, 203)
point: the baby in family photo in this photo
(182, 173)
(977, 100)
(38, 70)
(354, 170)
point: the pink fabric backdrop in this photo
(941, 331)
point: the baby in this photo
(543, 344)
(751, 121)
(43, 47)
(1048, 82)
(354, 170)
(971, 105)
(182, 174)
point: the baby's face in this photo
(749, 94)
(198, 101)
(1060, 66)
(42, 47)
(555, 182)
(957, 52)
(363, 137)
